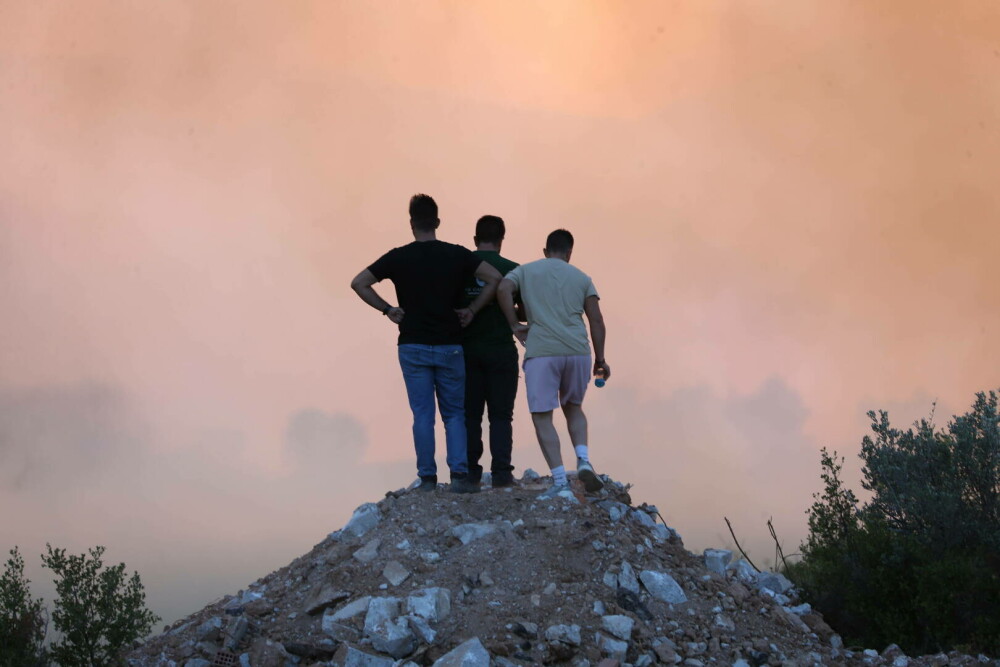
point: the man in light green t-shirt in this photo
(557, 368)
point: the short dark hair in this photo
(424, 212)
(560, 241)
(490, 229)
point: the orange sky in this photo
(789, 211)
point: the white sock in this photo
(559, 476)
(581, 453)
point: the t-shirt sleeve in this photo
(384, 266)
(472, 261)
(515, 275)
(591, 290)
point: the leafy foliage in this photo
(22, 620)
(918, 564)
(100, 611)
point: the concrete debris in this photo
(468, 654)
(716, 560)
(501, 578)
(365, 518)
(662, 586)
(395, 572)
(369, 552)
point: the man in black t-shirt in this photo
(429, 276)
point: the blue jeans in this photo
(440, 370)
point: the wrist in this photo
(385, 311)
(599, 362)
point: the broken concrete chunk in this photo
(471, 653)
(395, 638)
(745, 572)
(356, 658)
(567, 634)
(618, 625)
(339, 631)
(210, 630)
(325, 597)
(432, 604)
(467, 532)
(611, 647)
(364, 519)
(662, 586)
(369, 552)
(627, 579)
(421, 628)
(380, 612)
(774, 581)
(235, 632)
(642, 518)
(352, 609)
(716, 560)
(395, 573)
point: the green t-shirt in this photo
(489, 327)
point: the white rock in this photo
(432, 604)
(395, 638)
(430, 557)
(774, 581)
(364, 519)
(369, 552)
(642, 518)
(901, 661)
(421, 628)
(724, 622)
(627, 578)
(744, 571)
(356, 658)
(611, 647)
(467, 654)
(663, 587)
(467, 532)
(716, 560)
(618, 625)
(567, 634)
(380, 612)
(395, 572)
(530, 475)
(351, 609)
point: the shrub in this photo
(22, 620)
(100, 612)
(918, 563)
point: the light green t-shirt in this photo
(553, 292)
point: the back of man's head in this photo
(559, 242)
(490, 229)
(424, 213)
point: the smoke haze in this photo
(789, 211)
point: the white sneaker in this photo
(590, 480)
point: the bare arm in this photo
(362, 285)
(598, 333)
(487, 273)
(505, 299)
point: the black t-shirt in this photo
(429, 277)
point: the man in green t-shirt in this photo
(491, 372)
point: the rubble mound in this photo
(505, 578)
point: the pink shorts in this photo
(555, 381)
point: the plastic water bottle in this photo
(600, 379)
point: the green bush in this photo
(100, 611)
(22, 620)
(918, 564)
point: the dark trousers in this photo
(491, 377)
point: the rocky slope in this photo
(503, 578)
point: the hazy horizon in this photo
(788, 210)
